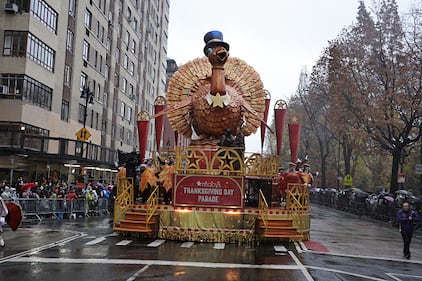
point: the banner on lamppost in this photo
(267, 107)
(280, 109)
(143, 122)
(159, 106)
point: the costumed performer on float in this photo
(291, 176)
(166, 177)
(148, 180)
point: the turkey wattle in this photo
(216, 92)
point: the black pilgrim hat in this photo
(212, 39)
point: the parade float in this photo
(215, 192)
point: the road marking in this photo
(124, 243)
(393, 275)
(139, 272)
(113, 234)
(301, 267)
(219, 246)
(364, 257)
(153, 262)
(156, 243)
(280, 248)
(345, 273)
(303, 246)
(187, 244)
(95, 241)
(76, 235)
(298, 249)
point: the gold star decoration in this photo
(218, 100)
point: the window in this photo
(128, 137)
(117, 55)
(126, 62)
(97, 92)
(67, 75)
(97, 29)
(108, 45)
(102, 34)
(131, 67)
(81, 113)
(122, 133)
(131, 95)
(133, 46)
(127, 37)
(103, 127)
(22, 4)
(88, 18)
(14, 43)
(100, 64)
(69, 40)
(44, 13)
(85, 50)
(122, 109)
(97, 120)
(65, 111)
(28, 89)
(113, 131)
(106, 72)
(124, 85)
(105, 99)
(40, 53)
(129, 114)
(95, 58)
(84, 80)
(72, 7)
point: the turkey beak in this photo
(222, 54)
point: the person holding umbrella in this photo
(406, 218)
(10, 213)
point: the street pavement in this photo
(342, 247)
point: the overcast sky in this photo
(276, 37)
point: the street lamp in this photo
(89, 99)
(12, 162)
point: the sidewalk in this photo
(347, 234)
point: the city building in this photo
(73, 76)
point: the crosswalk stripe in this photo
(156, 243)
(123, 243)
(187, 244)
(219, 246)
(95, 241)
(280, 248)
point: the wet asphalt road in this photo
(87, 249)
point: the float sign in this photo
(208, 191)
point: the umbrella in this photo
(402, 192)
(14, 216)
(389, 198)
(27, 186)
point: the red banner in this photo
(158, 124)
(280, 116)
(208, 191)
(143, 135)
(176, 139)
(263, 127)
(294, 136)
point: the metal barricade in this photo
(103, 206)
(59, 208)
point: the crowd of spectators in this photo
(90, 194)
